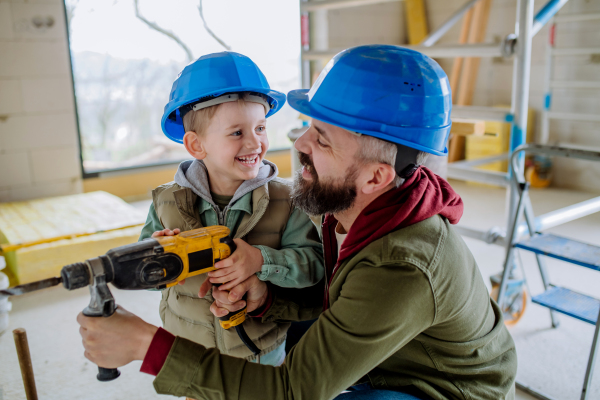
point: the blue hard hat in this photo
(388, 92)
(209, 77)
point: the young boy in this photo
(218, 108)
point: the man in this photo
(405, 313)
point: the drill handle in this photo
(102, 304)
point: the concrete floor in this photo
(550, 360)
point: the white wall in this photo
(384, 23)
(39, 153)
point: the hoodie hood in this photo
(194, 175)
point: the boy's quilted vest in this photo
(185, 314)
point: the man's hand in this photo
(243, 263)
(117, 340)
(232, 301)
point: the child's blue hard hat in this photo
(209, 77)
(388, 92)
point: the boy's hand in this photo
(243, 263)
(168, 232)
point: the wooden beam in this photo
(466, 127)
(416, 21)
(481, 15)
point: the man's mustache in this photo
(307, 162)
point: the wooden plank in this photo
(465, 127)
(458, 61)
(416, 21)
(467, 70)
(481, 15)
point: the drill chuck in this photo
(75, 276)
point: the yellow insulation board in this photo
(45, 260)
(38, 237)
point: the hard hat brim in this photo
(298, 100)
(175, 131)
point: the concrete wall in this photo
(39, 154)
(384, 23)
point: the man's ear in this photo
(381, 176)
(194, 145)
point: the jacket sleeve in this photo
(299, 262)
(152, 224)
(379, 310)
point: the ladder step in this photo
(573, 304)
(563, 249)
(574, 116)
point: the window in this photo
(126, 54)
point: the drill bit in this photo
(30, 287)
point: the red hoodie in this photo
(422, 196)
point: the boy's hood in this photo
(194, 175)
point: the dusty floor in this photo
(551, 360)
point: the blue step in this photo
(577, 305)
(564, 249)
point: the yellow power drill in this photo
(153, 263)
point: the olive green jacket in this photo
(409, 311)
(265, 218)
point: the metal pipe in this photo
(337, 4)
(305, 43)
(443, 51)
(434, 36)
(567, 214)
(587, 383)
(522, 67)
(545, 131)
(546, 14)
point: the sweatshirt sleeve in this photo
(379, 310)
(152, 224)
(299, 261)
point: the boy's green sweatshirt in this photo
(410, 310)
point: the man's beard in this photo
(317, 198)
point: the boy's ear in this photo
(194, 145)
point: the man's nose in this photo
(301, 144)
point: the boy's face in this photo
(235, 142)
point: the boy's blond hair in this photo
(198, 121)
